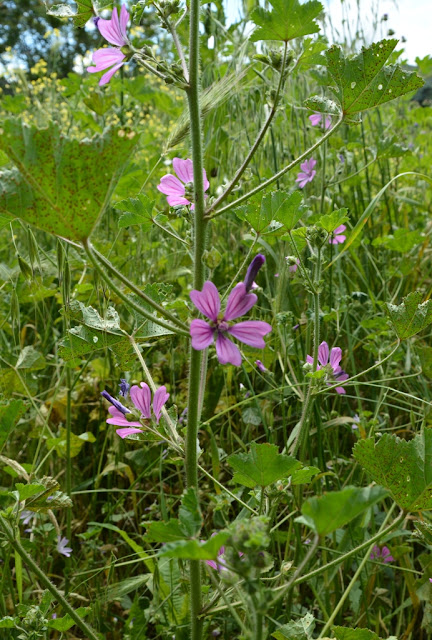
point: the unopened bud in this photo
(252, 271)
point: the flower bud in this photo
(252, 271)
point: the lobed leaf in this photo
(262, 466)
(411, 316)
(195, 550)
(288, 20)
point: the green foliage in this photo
(296, 630)
(65, 623)
(402, 466)
(288, 20)
(262, 466)
(272, 211)
(76, 442)
(193, 549)
(333, 220)
(334, 510)
(30, 359)
(137, 210)
(85, 10)
(10, 413)
(401, 241)
(363, 82)
(411, 316)
(344, 633)
(61, 185)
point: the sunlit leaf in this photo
(288, 19)
(411, 316)
(61, 185)
(30, 359)
(333, 220)
(262, 466)
(332, 511)
(137, 210)
(404, 467)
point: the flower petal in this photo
(207, 301)
(335, 357)
(251, 332)
(124, 17)
(239, 302)
(141, 397)
(227, 351)
(119, 420)
(105, 58)
(340, 390)
(171, 186)
(202, 334)
(159, 399)
(340, 229)
(184, 169)
(323, 353)
(315, 119)
(109, 74)
(123, 433)
(173, 201)
(206, 182)
(110, 29)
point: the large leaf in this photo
(332, 511)
(288, 19)
(273, 211)
(411, 316)
(61, 185)
(296, 630)
(194, 549)
(30, 359)
(403, 466)
(363, 82)
(262, 466)
(85, 10)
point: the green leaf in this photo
(83, 13)
(402, 466)
(311, 54)
(118, 590)
(411, 316)
(401, 241)
(333, 220)
(61, 185)
(296, 629)
(322, 105)
(30, 359)
(28, 490)
(137, 210)
(363, 82)
(280, 208)
(287, 208)
(332, 511)
(165, 531)
(425, 355)
(100, 103)
(262, 466)
(195, 550)
(8, 622)
(288, 20)
(65, 623)
(190, 516)
(76, 442)
(10, 413)
(304, 475)
(344, 633)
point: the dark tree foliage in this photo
(24, 24)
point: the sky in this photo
(409, 18)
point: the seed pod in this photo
(25, 268)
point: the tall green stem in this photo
(191, 460)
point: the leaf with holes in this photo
(331, 511)
(404, 467)
(411, 316)
(262, 466)
(363, 82)
(288, 20)
(61, 185)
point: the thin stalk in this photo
(148, 66)
(130, 303)
(193, 418)
(157, 307)
(258, 140)
(46, 582)
(278, 175)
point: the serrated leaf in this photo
(311, 54)
(344, 633)
(30, 359)
(262, 466)
(28, 490)
(401, 241)
(411, 316)
(137, 210)
(363, 82)
(190, 515)
(322, 105)
(296, 629)
(331, 511)
(61, 185)
(287, 208)
(165, 531)
(195, 550)
(333, 220)
(288, 20)
(272, 211)
(304, 475)
(76, 442)
(403, 467)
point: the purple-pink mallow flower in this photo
(318, 118)
(141, 398)
(337, 237)
(174, 187)
(219, 564)
(381, 554)
(239, 302)
(333, 358)
(307, 173)
(62, 546)
(114, 31)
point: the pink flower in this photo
(141, 398)
(334, 358)
(337, 236)
(219, 564)
(260, 366)
(174, 187)
(381, 554)
(307, 173)
(317, 118)
(239, 302)
(114, 31)
(293, 267)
